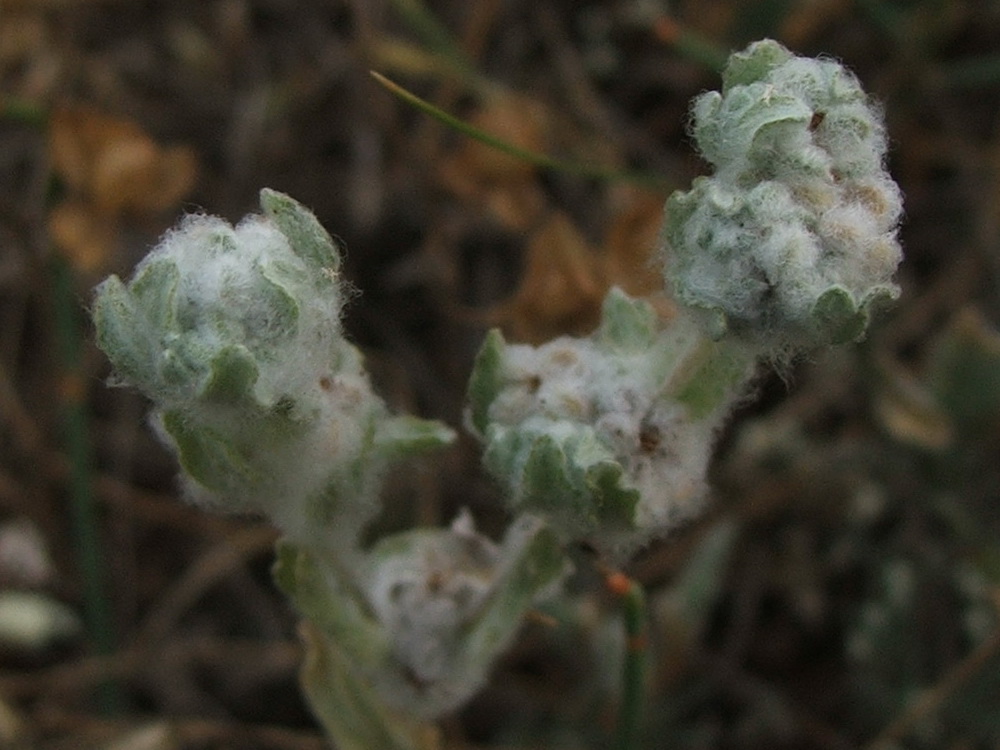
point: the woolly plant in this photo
(234, 333)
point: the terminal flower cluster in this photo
(423, 615)
(791, 242)
(234, 333)
(607, 436)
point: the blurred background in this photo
(842, 591)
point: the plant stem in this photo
(83, 513)
(636, 647)
(351, 713)
(706, 374)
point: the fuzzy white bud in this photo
(791, 241)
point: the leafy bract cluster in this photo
(791, 242)
(234, 333)
(607, 436)
(433, 607)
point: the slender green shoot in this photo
(630, 713)
(544, 161)
(82, 507)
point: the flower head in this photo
(234, 333)
(422, 616)
(791, 241)
(609, 436)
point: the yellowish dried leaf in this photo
(115, 165)
(631, 238)
(561, 289)
(82, 235)
(908, 411)
(517, 120)
(513, 205)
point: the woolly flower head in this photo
(605, 436)
(451, 600)
(792, 240)
(421, 617)
(234, 333)
(210, 295)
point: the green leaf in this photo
(725, 129)
(627, 324)
(231, 376)
(836, 314)
(486, 380)
(183, 360)
(616, 501)
(754, 63)
(346, 704)
(307, 237)
(546, 481)
(124, 335)
(320, 595)
(576, 478)
(534, 559)
(155, 290)
(208, 457)
(408, 435)
(275, 313)
(715, 372)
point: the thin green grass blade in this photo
(531, 157)
(82, 506)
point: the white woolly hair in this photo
(225, 274)
(245, 286)
(610, 405)
(799, 202)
